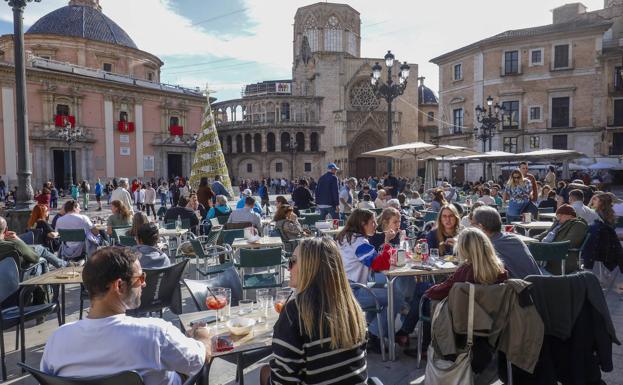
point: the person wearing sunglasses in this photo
(320, 336)
(517, 191)
(107, 341)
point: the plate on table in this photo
(254, 239)
(67, 275)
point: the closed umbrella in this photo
(430, 178)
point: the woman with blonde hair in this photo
(389, 221)
(447, 227)
(381, 196)
(479, 264)
(517, 191)
(321, 332)
(121, 216)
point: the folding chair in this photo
(228, 236)
(376, 309)
(72, 235)
(125, 240)
(129, 377)
(261, 258)
(554, 251)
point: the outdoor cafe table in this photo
(171, 232)
(331, 231)
(534, 225)
(260, 337)
(547, 216)
(263, 242)
(61, 277)
(405, 271)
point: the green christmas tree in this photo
(209, 159)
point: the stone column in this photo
(109, 134)
(138, 126)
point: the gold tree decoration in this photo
(209, 159)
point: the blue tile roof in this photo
(426, 95)
(82, 21)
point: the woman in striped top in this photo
(320, 336)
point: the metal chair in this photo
(376, 309)
(185, 224)
(222, 255)
(581, 248)
(310, 220)
(554, 251)
(228, 236)
(261, 258)
(72, 235)
(235, 226)
(118, 231)
(222, 219)
(162, 290)
(16, 316)
(129, 377)
(288, 244)
(125, 240)
(429, 216)
(420, 330)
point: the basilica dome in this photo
(82, 18)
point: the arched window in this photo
(313, 141)
(239, 144)
(285, 141)
(248, 145)
(228, 113)
(238, 114)
(229, 147)
(270, 142)
(257, 143)
(285, 112)
(333, 35)
(300, 141)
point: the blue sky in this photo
(229, 43)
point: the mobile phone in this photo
(206, 320)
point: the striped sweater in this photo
(299, 359)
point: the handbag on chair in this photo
(458, 372)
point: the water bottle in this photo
(178, 223)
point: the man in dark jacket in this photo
(302, 197)
(327, 193)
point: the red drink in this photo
(509, 228)
(336, 223)
(278, 307)
(216, 303)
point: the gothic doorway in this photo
(61, 167)
(365, 167)
(361, 165)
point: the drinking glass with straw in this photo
(216, 300)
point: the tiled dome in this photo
(426, 95)
(82, 21)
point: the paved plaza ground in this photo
(400, 372)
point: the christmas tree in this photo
(209, 159)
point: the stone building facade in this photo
(329, 104)
(85, 71)
(559, 83)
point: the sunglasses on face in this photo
(139, 278)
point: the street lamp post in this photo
(489, 117)
(292, 147)
(70, 135)
(24, 198)
(389, 90)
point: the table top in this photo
(544, 225)
(547, 216)
(331, 231)
(261, 336)
(171, 232)
(408, 271)
(263, 242)
(59, 276)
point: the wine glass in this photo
(216, 300)
(281, 298)
(434, 255)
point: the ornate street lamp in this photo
(389, 90)
(293, 149)
(24, 198)
(489, 117)
(70, 135)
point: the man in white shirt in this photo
(576, 200)
(73, 220)
(107, 341)
(121, 194)
(347, 200)
(486, 197)
(246, 214)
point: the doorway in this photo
(365, 167)
(61, 167)
(174, 165)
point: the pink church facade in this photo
(87, 72)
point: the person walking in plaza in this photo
(85, 189)
(2, 188)
(347, 202)
(302, 196)
(99, 189)
(150, 200)
(122, 195)
(264, 197)
(75, 192)
(517, 191)
(139, 197)
(218, 188)
(163, 193)
(53, 196)
(550, 177)
(327, 193)
(205, 195)
(320, 336)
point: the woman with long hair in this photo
(39, 220)
(381, 199)
(360, 259)
(121, 216)
(205, 195)
(287, 222)
(439, 200)
(390, 221)
(517, 191)
(602, 204)
(478, 264)
(196, 206)
(139, 219)
(321, 332)
(447, 226)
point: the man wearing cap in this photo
(247, 193)
(566, 227)
(327, 193)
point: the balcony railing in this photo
(571, 124)
(504, 73)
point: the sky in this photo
(230, 43)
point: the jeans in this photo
(153, 209)
(327, 210)
(52, 259)
(408, 324)
(163, 200)
(365, 299)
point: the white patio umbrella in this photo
(605, 166)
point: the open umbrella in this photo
(605, 166)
